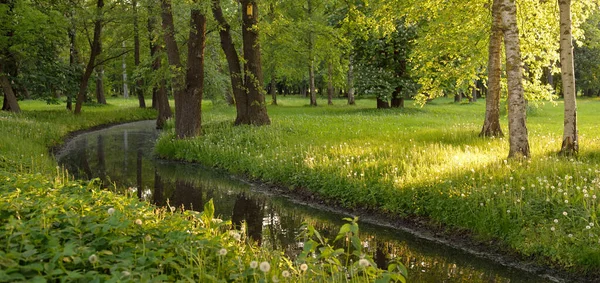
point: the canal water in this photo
(122, 158)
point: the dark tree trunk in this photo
(458, 97)
(189, 120)
(397, 99)
(160, 101)
(273, 90)
(311, 79)
(253, 76)
(330, 89)
(473, 97)
(351, 82)
(139, 84)
(100, 97)
(188, 93)
(233, 61)
(10, 100)
(491, 125)
(94, 52)
(382, 104)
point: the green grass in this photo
(53, 228)
(426, 162)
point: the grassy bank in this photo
(53, 228)
(424, 162)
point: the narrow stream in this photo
(122, 155)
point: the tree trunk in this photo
(570, 143)
(73, 54)
(95, 50)
(273, 90)
(474, 91)
(458, 97)
(160, 101)
(518, 139)
(382, 104)
(233, 61)
(330, 83)
(125, 85)
(100, 97)
(188, 122)
(10, 100)
(491, 124)
(311, 79)
(351, 81)
(139, 84)
(253, 76)
(397, 99)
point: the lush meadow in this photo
(427, 162)
(54, 228)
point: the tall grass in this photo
(424, 162)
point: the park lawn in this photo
(426, 162)
(54, 228)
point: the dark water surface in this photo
(122, 155)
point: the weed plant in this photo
(427, 162)
(54, 228)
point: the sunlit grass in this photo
(427, 162)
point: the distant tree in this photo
(491, 124)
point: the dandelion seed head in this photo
(222, 252)
(253, 264)
(565, 213)
(125, 273)
(588, 227)
(555, 220)
(265, 266)
(552, 229)
(111, 211)
(93, 259)
(138, 221)
(148, 238)
(285, 274)
(363, 262)
(304, 267)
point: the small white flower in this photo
(125, 273)
(222, 252)
(265, 267)
(570, 235)
(304, 267)
(566, 201)
(138, 222)
(111, 211)
(93, 259)
(588, 227)
(592, 224)
(253, 264)
(363, 262)
(555, 220)
(275, 279)
(148, 238)
(235, 235)
(508, 211)
(552, 229)
(565, 213)
(285, 274)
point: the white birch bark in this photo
(517, 107)
(570, 143)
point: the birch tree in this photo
(570, 143)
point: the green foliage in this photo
(424, 162)
(382, 63)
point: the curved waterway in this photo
(122, 158)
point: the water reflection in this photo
(272, 222)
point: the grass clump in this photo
(55, 228)
(424, 162)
